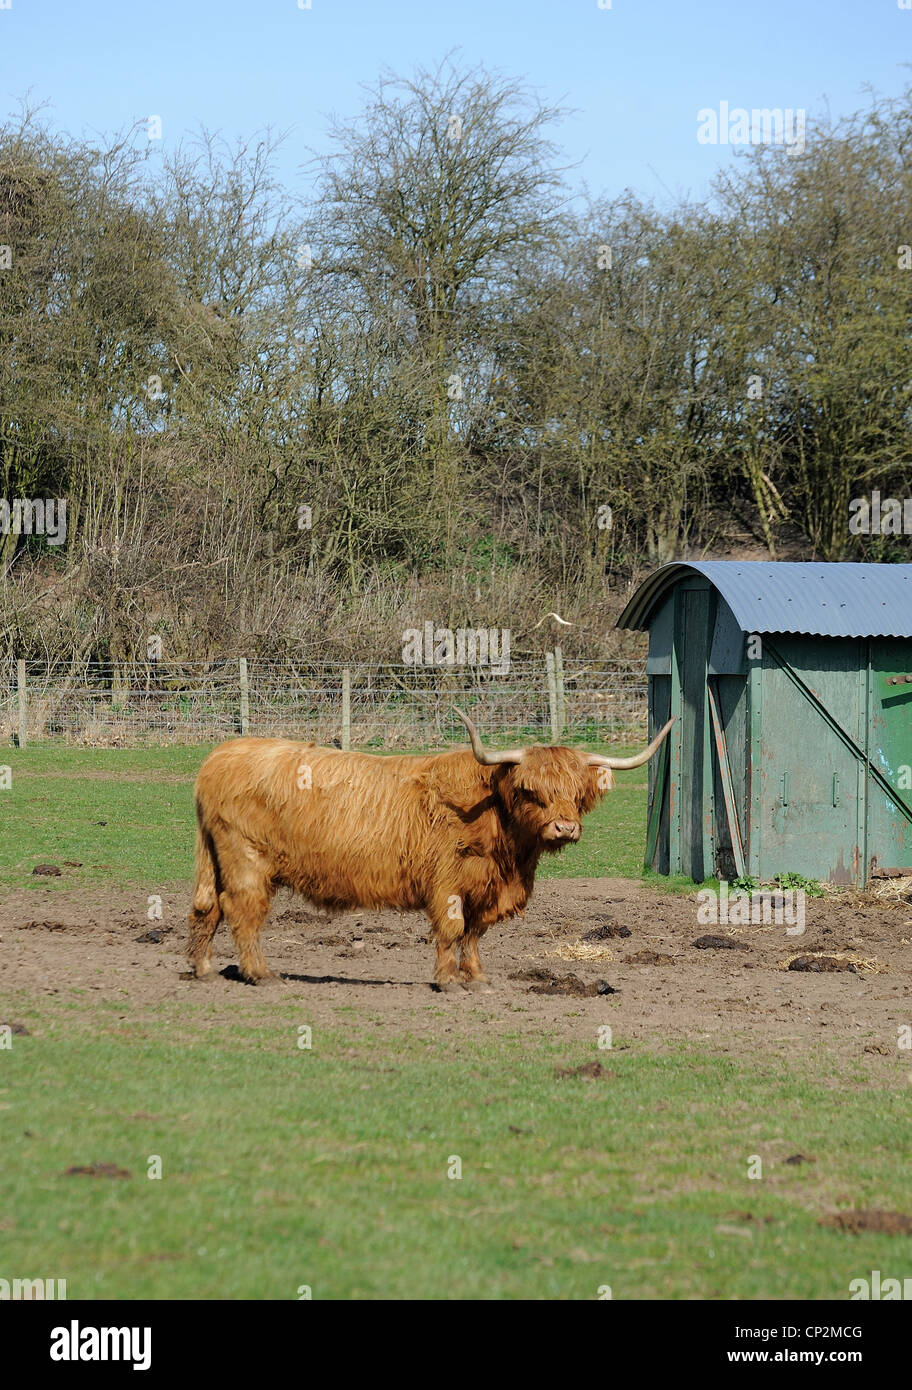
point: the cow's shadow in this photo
(349, 980)
(231, 972)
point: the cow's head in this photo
(547, 791)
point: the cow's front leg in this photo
(447, 927)
(470, 967)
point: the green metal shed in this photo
(792, 687)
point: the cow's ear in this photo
(598, 781)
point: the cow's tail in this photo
(205, 912)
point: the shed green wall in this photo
(811, 818)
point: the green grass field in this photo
(329, 1168)
(284, 1167)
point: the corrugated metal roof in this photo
(839, 599)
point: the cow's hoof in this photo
(480, 987)
(197, 974)
(450, 987)
(266, 978)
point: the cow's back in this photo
(344, 829)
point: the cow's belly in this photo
(341, 893)
(338, 877)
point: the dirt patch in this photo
(98, 1170)
(719, 943)
(591, 1071)
(77, 945)
(546, 982)
(839, 961)
(819, 963)
(648, 958)
(300, 916)
(607, 932)
(886, 1223)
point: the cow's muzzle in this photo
(562, 832)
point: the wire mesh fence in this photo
(362, 705)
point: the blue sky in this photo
(636, 74)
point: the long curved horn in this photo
(512, 755)
(596, 759)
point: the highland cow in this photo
(457, 835)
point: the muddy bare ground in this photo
(653, 985)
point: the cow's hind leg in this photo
(246, 911)
(205, 912)
(203, 924)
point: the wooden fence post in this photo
(245, 696)
(23, 706)
(346, 707)
(561, 698)
(552, 695)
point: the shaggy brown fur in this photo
(439, 832)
